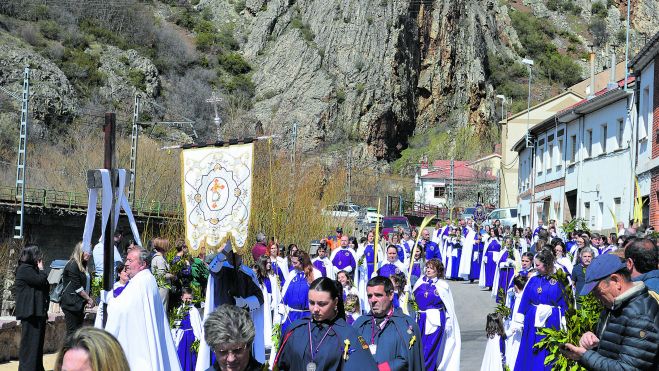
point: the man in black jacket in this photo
(628, 331)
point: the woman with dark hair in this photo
(542, 305)
(560, 254)
(294, 292)
(496, 347)
(437, 319)
(31, 307)
(323, 341)
(418, 266)
(292, 249)
(269, 284)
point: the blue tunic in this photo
(369, 257)
(280, 272)
(491, 265)
(186, 356)
(388, 270)
(297, 299)
(344, 258)
(401, 252)
(538, 290)
(427, 297)
(456, 255)
(318, 264)
(295, 351)
(393, 341)
(432, 251)
(477, 251)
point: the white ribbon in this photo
(106, 206)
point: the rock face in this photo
(52, 98)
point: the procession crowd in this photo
(375, 303)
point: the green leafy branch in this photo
(578, 322)
(501, 307)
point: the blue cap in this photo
(602, 267)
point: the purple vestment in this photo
(427, 297)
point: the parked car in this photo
(391, 224)
(468, 213)
(342, 211)
(372, 215)
(507, 216)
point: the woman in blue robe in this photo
(418, 267)
(490, 262)
(188, 331)
(440, 332)
(542, 304)
(294, 292)
(323, 341)
(506, 270)
(476, 258)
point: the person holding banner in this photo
(232, 282)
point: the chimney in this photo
(613, 84)
(424, 165)
(592, 74)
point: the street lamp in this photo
(528, 63)
(503, 100)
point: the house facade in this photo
(469, 180)
(580, 163)
(645, 66)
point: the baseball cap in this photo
(602, 266)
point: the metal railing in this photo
(77, 201)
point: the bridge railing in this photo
(71, 200)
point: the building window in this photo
(617, 207)
(550, 151)
(440, 191)
(605, 135)
(559, 155)
(573, 148)
(589, 143)
(586, 211)
(644, 129)
(538, 156)
(621, 132)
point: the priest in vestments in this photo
(467, 250)
(139, 322)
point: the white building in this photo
(580, 163)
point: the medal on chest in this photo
(373, 348)
(311, 366)
(539, 290)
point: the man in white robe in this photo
(467, 249)
(139, 322)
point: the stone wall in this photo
(10, 334)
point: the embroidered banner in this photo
(217, 195)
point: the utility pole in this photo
(109, 128)
(451, 193)
(349, 175)
(22, 154)
(214, 100)
(133, 150)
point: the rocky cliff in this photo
(354, 75)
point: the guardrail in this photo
(77, 201)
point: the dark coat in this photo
(395, 346)
(579, 277)
(77, 281)
(31, 292)
(628, 334)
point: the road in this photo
(472, 306)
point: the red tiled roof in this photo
(441, 169)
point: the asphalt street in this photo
(472, 306)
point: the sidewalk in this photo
(48, 363)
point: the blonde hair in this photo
(103, 350)
(76, 256)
